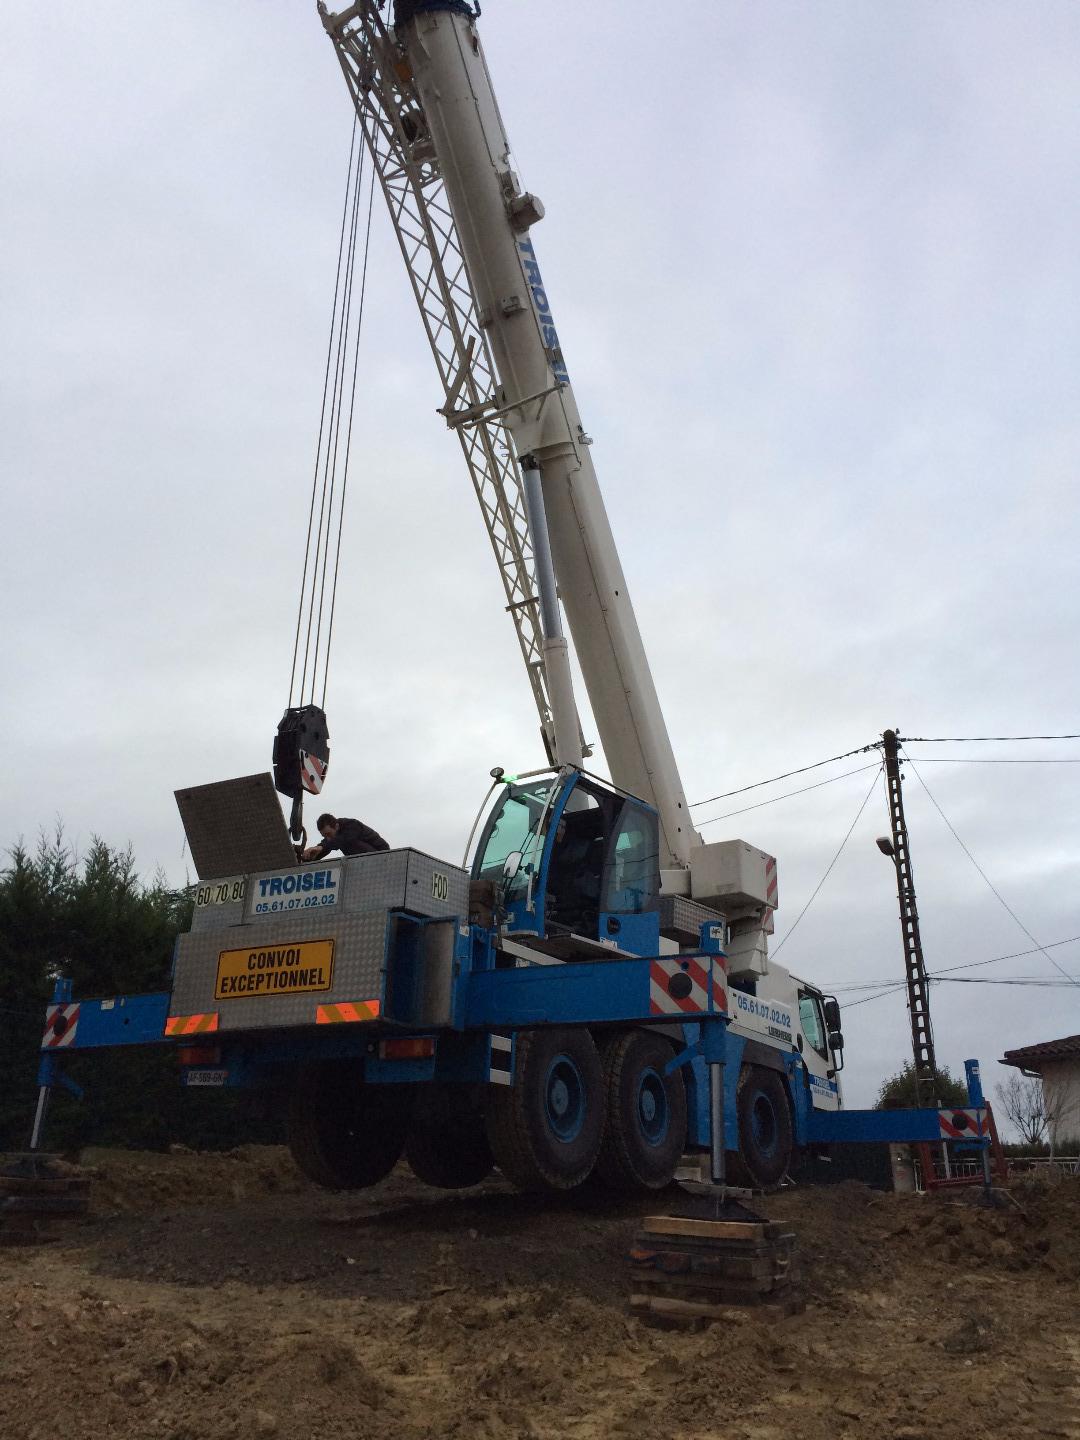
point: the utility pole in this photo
(922, 1035)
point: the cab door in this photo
(817, 1057)
(630, 897)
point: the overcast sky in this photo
(815, 267)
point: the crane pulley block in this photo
(301, 751)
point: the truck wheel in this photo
(765, 1128)
(545, 1128)
(343, 1134)
(645, 1133)
(448, 1145)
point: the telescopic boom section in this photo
(454, 128)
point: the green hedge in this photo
(93, 919)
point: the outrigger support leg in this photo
(45, 1084)
(49, 1072)
(714, 1049)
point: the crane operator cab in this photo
(575, 865)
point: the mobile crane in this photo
(592, 993)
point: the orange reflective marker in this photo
(191, 1024)
(347, 1010)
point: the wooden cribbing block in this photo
(711, 1229)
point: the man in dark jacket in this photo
(351, 837)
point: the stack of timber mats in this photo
(686, 1270)
(36, 1192)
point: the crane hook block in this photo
(301, 751)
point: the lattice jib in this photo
(427, 237)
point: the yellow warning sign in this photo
(294, 969)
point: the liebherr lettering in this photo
(543, 311)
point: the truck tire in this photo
(645, 1131)
(545, 1128)
(766, 1134)
(343, 1134)
(448, 1145)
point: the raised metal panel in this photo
(235, 826)
(359, 957)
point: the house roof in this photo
(1029, 1056)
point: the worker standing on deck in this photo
(351, 837)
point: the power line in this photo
(832, 862)
(727, 794)
(947, 969)
(859, 770)
(1038, 982)
(977, 739)
(888, 990)
(993, 888)
(1047, 983)
(1016, 955)
(910, 740)
(970, 760)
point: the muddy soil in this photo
(219, 1297)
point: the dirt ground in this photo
(219, 1297)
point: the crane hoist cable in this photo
(301, 747)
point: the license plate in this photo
(291, 969)
(221, 892)
(206, 1077)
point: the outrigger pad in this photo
(235, 826)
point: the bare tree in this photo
(1022, 1099)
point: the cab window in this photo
(633, 867)
(513, 827)
(813, 1022)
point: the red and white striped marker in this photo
(684, 984)
(312, 773)
(961, 1124)
(60, 1025)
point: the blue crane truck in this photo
(591, 992)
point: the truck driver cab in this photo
(577, 864)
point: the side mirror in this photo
(836, 1045)
(832, 1015)
(511, 865)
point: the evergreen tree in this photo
(900, 1092)
(94, 921)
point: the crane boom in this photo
(425, 100)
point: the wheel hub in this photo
(764, 1125)
(564, 1098)
(652, 1107)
